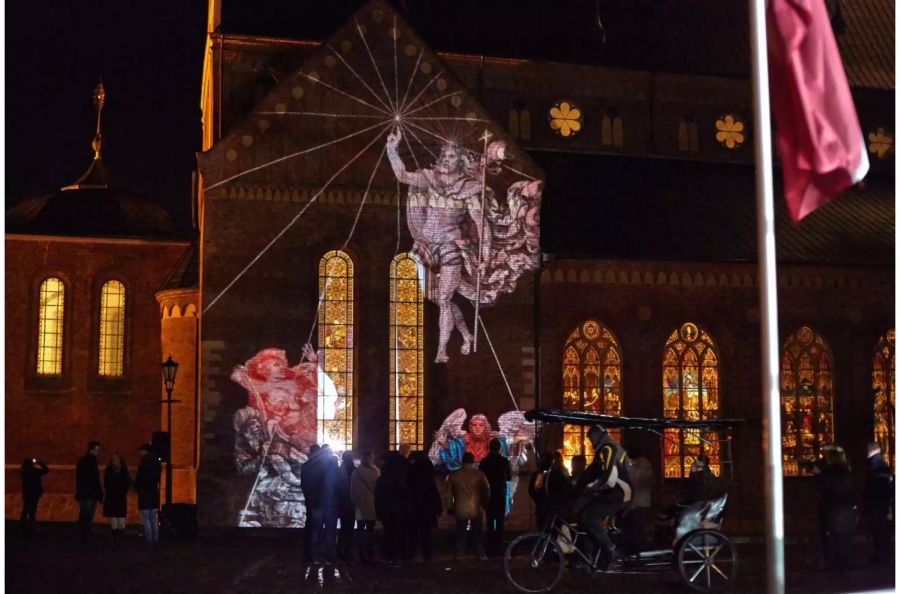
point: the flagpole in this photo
(768, 296)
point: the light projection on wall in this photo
(690, 392)
(451, 441)
(406, 344)
(592, 382)
(883, 391)
(806, 406)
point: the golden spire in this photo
(99, 100)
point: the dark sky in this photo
(150, 55)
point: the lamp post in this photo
(169, 369)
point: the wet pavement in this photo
(242, 563)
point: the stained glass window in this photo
(807, 421)
(50, 327)
(335, 419)
(883, 388)
(111, 359)
(690, 391)
(407, 391)
(592, 382)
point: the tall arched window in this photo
(691, 392)
(407, 340)
(592, 381)
(883, 389)
(111, 350)
(807, 421)
(51, 312)
(335, 415)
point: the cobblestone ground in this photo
(237, 563)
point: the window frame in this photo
(103, 383)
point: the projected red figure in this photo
(273, 434)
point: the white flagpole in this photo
(768, 296)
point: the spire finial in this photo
(99, 100)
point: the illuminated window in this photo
(807, 421)
(335, 419)
(565, 119)
(50, 327)
(611, 129)
(520, 122)
(883, 388)
(690, 392)
(592, 382)
(687, 135)
(112, 329)
(407, 402)
(730, 132)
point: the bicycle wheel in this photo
(533, 563)
(706, 560)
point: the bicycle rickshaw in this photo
(704, 558)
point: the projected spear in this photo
(485, 137)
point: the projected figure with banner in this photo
(273, 433)
(468, 242)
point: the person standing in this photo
(33, 471)
(362, 492)
(346, 512)
(496, 468)
(88, 491)
(309, 484)
(471, 493)
(116, 483)
(425, 505)
(392, 505)
(836, 482)
(319, 479)
(146, 483)
(879, 500)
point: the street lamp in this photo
(169, 369)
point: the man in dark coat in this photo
(32, 488)
(146, 483)
(879, 500)
(496, 468)
(88, 491)
(319, 481)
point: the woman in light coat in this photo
(362, 493)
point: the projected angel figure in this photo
(451, 213)
(451, 441)
(273, 434)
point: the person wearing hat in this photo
(146, 483)
(604, 488)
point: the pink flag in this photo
(819, 138)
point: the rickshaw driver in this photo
(604, 488)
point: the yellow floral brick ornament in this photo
(730, 132)
(880, 142)
(565, 119)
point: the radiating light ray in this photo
(424, 146)
(432, 102)
(360, 79)
(324, 114)
(362, 204)
(412, 77)
(297, 154)
(405, 111)
(396, 70)
(497, 359)
(455, 118)
(294, 220)
(354, 97)
(375, 66)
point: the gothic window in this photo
(611, 129)
(807, 421)
(520, 122)
(690, 383)
(111, 351)
(687, 135)
(335, 417)
(592, 381)
(51, 312)
(883, 388)
(407, 340)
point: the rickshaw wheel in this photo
(533, 563)
(706, 560)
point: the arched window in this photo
(687, 135)
(335, 416)
(612, 132)
(807, 421)
(691, 392)
(407, 340)
(111, 350)
(883, 389)
(592, 381)
(51, 312)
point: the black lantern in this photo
(169, 369)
